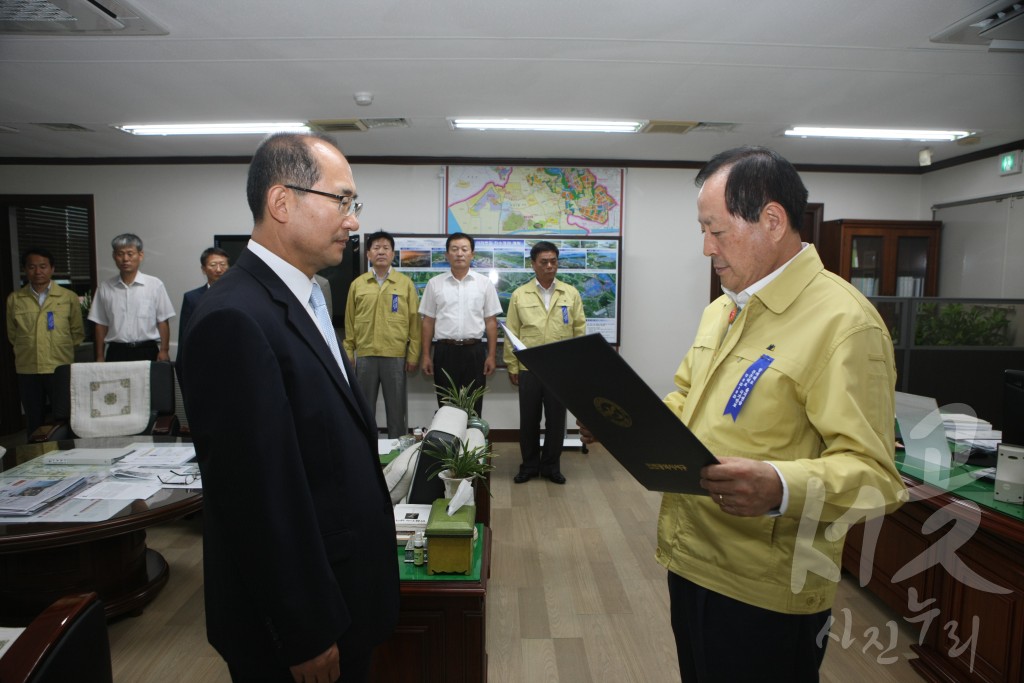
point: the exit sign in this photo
(1009, 163)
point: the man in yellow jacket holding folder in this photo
(541, 311)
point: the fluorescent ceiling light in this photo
(558, 125)
(877, 133)
(215, 128)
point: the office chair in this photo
(67, 642)
(160, 421)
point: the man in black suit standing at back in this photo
(301, 575)
(214, 263)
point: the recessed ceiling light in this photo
(877, 133)
(260, 128)
(557, 125)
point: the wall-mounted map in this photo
(589, 265)
(528, 200)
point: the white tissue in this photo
(463, 495)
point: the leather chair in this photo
(162, 419)
(67, 642)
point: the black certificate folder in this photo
(624, 414)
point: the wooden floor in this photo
(575, 595)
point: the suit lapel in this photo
(299, 320)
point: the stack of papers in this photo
(25, 497)
(409, 519)
(970, 435)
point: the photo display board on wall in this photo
(589, 265)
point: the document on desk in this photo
(616, 405)
(8, 634)
(120, 490)
(159, 455)
(25, 497)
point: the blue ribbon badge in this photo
(746, 385)
(394, 303)
(565, 315)
(49, 320)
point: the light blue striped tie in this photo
(316, 300)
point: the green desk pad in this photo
(957, 480)
(388, 457)
(410, 572)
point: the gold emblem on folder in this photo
(613, 412)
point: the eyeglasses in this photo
(346, 204)
(180, 478)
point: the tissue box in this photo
(450, 539)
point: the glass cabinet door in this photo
(911, 265)
(866, 263)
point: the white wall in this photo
(982, 244)
(177, 209)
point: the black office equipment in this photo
(1013, 407)
(630, 420)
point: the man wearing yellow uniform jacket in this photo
(790, 383)
(382, 332)
(44, 324)
(541, 311)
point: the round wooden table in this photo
(40, 562)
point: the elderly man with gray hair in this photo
(131, 310)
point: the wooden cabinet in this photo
(441, 631)
(883, 258)
(960, 571)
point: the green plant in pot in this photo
(464, 398)
(457, 461)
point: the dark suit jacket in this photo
(188, 305)
(299, 545)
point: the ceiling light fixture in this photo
(260, 128)
(556, 125)
(877, 133)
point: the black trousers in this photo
(117, 351)
(533, 398)
(721, 640)
(465, 364)
(36, 391)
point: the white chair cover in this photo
(109, 399)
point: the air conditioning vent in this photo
(338, 125)
(75, 17)
(1002, 20)
(65, 127)
(677, 127)
(374, 124)
(714, 127)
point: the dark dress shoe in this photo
(523, 477)
(556, 477)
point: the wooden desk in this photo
(441, 632)
(40, 562)
(974, 540)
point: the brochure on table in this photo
(36, 491)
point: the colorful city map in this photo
(524, 200)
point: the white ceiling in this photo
(761, 65)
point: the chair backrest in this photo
(67, 642)
(161, 390)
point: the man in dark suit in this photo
(214, 263)
(301, 574)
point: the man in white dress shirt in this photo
(131, 310)
(458, 309)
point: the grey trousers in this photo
(379, 372)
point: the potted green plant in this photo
(464, 398)
(457, 461)
(956, 324)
